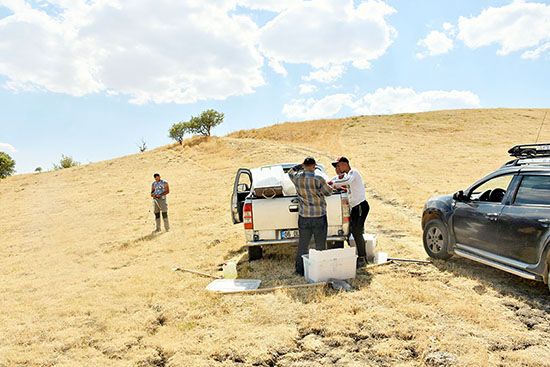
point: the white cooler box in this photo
(320, 266)
(370, 245)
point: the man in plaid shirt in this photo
(312, 221)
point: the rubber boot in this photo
(157, 220)
(166, 224)
(361, 262)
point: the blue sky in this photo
(91, 79)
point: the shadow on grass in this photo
(115, 246)
(276, 268)
(535, 294)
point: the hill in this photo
(85, 283)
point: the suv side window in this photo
(492, 191)
(534, 190)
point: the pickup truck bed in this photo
(272, 221)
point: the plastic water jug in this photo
(230, 270)
(370, 245)
(380, 257)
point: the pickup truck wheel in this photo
(436, 240)
(255, 253)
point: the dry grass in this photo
(83, 282)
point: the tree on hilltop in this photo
(200, 125)
(178, 130)
(204, 123)
(7, 165)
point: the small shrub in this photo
(142, 146)
(65, 162)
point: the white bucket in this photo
(230, 270)
(370, 245)
(380, 257)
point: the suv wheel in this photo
(255, 253)
(436, 240)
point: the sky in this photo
(92, 78)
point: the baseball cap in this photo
(340, 159)
(309, 161)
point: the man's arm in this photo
(346, 180)
(294, 171)
(166, 189)
(325, 189)
(152, 191)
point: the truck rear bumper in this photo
(290, 240)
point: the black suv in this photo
(502, 220)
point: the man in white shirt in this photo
(353, 183)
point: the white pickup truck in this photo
(273, 219)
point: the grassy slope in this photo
(84, 283)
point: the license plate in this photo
(290, 234)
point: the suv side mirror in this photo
(459, 196)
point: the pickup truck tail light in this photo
(247, 216)
(345, 210)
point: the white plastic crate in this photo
(320, 266)
(370, 245)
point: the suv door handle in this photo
(544, 220)
(492, 216)
(293, 208)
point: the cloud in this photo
(398, 99)
(328, 74)
(514, 27)
(449, 28)
(307, 88)
(329, 32)
(435, 43)
(537, 52)
(387, 100)
(7, 147)
(313, 109)
(278, 67)
(269, 5)
(152, 51)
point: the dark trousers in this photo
(316, 227)
(357, 226)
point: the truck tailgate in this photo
(275, 214)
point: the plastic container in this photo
(233, 285)
(230, 270)
(380, 258)
(320, 266)
(370, 245)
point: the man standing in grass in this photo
(159, 190)
(312, 221)
(353, 183)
